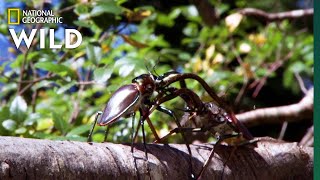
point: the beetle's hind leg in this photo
(93, 125)
(220, 140)
(170, 113)
(132, 133)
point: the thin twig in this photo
(283, 130)
(300, 82)
(66, 9)
(308, 138)
(22, 69)
(274, 66)
(245, 77)
(48, 76)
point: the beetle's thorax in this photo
(145, 84)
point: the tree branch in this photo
(276, 16)
(22, 158)
(289, 113)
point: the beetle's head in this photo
(145, 83)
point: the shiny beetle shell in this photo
(145, 83)
(122, 103)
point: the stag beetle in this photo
(137, 96)
(125, 101)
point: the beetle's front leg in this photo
(142, 114)
(93, 125)
(132, 133)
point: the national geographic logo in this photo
(32, 17)
(72, 37)
(13, 13)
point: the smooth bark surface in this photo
(23, 158)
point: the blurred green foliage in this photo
(62, 103)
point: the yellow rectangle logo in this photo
(13, 13)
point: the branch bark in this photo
(22, 158)
(289, 113)
(269, 17)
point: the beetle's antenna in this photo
(154, 67)
(145, 64)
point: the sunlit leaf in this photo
(218, 59)
(66, 87)
(43, 124)
(94, 52)
(107, 6)
(21, 130)
(31, 119)
(55, 68)
(101, 75)
(233, 21)
(209, 52)
(9, 124)
(18, 108)
(244, 48)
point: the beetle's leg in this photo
(170, 113)
(136, 132)
(220, 139)
(153, 130)
(106, 133)
(93, 125)
(132, 133)
(180, 130)
(143, 133)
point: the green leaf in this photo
(18, 109)
(42, 135)
(287, 78)
(4, 113)
(60, 69)
(79, 130)
(108, 6)
(9, 124)
(31, 119)
(297, 67)
(81, 9)
(82, 23)
(101, 75)
(60, 123)
(94, 52)
(18, 61)
(66, 87)
(21, 130)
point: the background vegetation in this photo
(251, 63)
